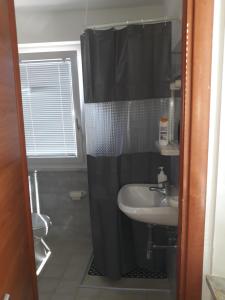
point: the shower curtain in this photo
(127, 64)
(126, 76)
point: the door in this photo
(17, 266)
(196, 81)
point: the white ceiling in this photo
(81, 4)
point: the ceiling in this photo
(81, 4)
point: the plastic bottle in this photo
(163, 131)
(162, 177)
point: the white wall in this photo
(214, 258)
(173, 8)
(53, 26)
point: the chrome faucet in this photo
(164, 189)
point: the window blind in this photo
(49, 115)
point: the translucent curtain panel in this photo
(115, 128)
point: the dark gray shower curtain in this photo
(132, 63)
(127, 64)
(120, 244)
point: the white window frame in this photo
(61, 50)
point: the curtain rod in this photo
(146, 21)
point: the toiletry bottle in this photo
(162, 177)
(163, 131)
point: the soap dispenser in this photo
(162, 177)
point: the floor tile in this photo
(75, 272)
(158, 296)
(53, 271)
(60, 296)
(45, 296)
(47, 285)
(68, 287)
(88, 294)
(122, 295)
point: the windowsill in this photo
(55, 164)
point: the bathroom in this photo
(99, 135)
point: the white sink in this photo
(140, 204)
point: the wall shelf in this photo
(171, 149)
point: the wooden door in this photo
(17, 268)
(196, 79)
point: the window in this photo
(48, 105)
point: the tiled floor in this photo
(70, 242)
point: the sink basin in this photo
(140, 204)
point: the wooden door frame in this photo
(26, 204)
(196, 78)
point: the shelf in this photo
(169, 150)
